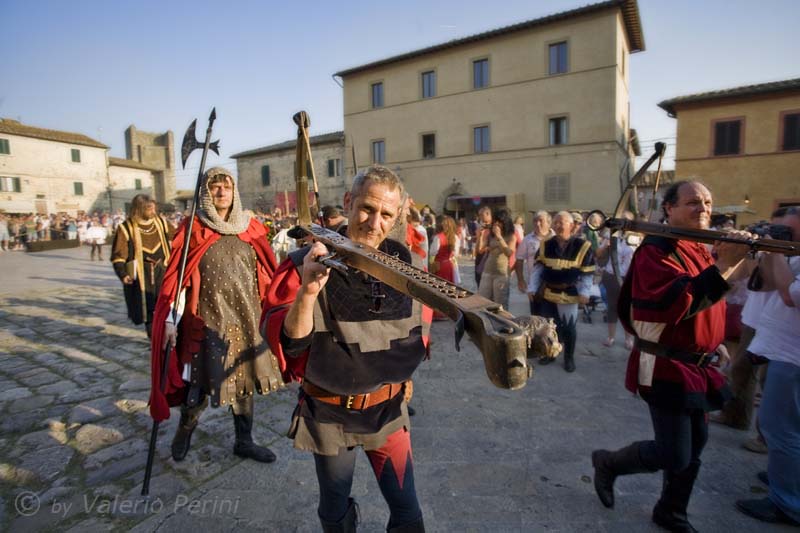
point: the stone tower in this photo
(157, 151)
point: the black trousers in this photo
(680, 437)
(396, 481)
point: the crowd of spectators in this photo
(18, 231)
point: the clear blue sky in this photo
(95, 67)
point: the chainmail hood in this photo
(238, 219)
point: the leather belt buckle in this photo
(349, 403)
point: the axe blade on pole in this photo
(190, 142)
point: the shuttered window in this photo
(334, 168)
(558, 130)
(480, 73)
(377, 95)
(429, 84)
(480, 139)
(791, 131)
(429, 146)
(559, 63)
(379, 152)
(727, 137)
(9, 184)
(556, 189)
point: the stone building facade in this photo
(48, 171)
(155, 151)
(744, 143)
(127, 179)
(267, 177)
(533, 115)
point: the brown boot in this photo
(608, 465)
(670, 511)
(183, 437)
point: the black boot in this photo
(569, 361)
(348, 522)
(416, 526)
(570, 336)
(183, 437)
(670, 511)
(608, 465)
(245, 447)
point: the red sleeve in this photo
(660, 291)
(281, 294)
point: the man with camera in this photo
(777, 338)
(738, 413)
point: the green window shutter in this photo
(265, 177)
(4, 147)
(16, 185)
(331, 168)
(138, 184)
(76, 155)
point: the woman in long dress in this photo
(443, 248)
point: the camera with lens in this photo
(765, 230)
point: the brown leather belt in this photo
(357, 402)
(693, 358)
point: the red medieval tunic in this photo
(673, 296)
(191, 332)
(351, 350)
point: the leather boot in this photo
(245, 447)
(570, 336)
(608, 465)
(416, 526)
(569, 361)
(670, 511)
(183, 436)
(348, 522)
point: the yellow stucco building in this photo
(744, 143)
(532, 116)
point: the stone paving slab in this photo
(74, 427)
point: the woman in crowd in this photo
(611, 283)
(443, 250)
(500, 245)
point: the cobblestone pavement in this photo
(74, 429)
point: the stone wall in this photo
(157, 151)
(281, 163)
(48, 175)
(123, 183)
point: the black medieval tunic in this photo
(143, 248)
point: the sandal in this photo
(609, 342)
